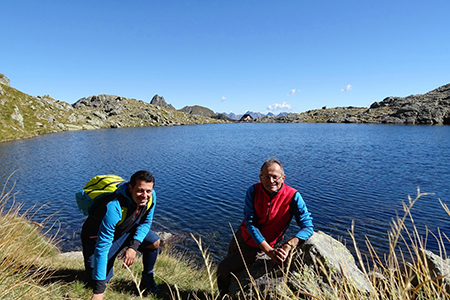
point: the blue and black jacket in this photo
(115, 215)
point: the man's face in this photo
(271, 177)
(141, 192)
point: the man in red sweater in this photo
(269, 207)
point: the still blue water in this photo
(345, 173)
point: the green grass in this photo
(24, 116)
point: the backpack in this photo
(95, 190)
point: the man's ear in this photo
(130, 187)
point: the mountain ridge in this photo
(25, 116)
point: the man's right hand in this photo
(97, 297)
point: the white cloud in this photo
(292, 92)
(278, 106)
(347, 88)
(223, 98)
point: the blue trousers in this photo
(149, 255)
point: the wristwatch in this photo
(290, 243)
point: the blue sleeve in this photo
(250, 216)
(105, 238)
(303, 218)
(143, 229)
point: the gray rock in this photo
(159, 101)
(4, 80)
(72, 255)
(438, 267)
(16, 115)
(320, 250)
(89, 127)
(71, 127)
(97, 123)
(336, 258)
(51, 119)
(99, 115)
(391, 120)
(73, 118)
(109, 103)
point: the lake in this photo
(345, 172)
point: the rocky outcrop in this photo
(115, 111)
(320, 252)
(438, 268)
(199, 111)
(323, 267)
(113, 105)
(432, 108)
(4, 80)
(25, 116)
(159, 101)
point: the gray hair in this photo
(270, 162)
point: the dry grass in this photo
(21, 246)
(403, 273)
(30, 268)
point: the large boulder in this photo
(438, 268)
(321, 258)
(335, 259)
(113, 105)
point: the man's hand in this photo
(278, 255)
(97, 297)
(128, 258)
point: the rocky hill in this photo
(199, 111)
(24, 116)
(432, 108)
(158, 100)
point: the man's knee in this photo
(154, 245)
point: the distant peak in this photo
(159, 101)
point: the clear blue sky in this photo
(227, 55)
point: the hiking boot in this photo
(148, 283)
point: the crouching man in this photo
(269, 208)
(121, 221)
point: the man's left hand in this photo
(128, 257)
(280, 254)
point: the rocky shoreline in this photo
(25, 116)
(330, 265)
(432, 108)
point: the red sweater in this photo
(272, 215)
